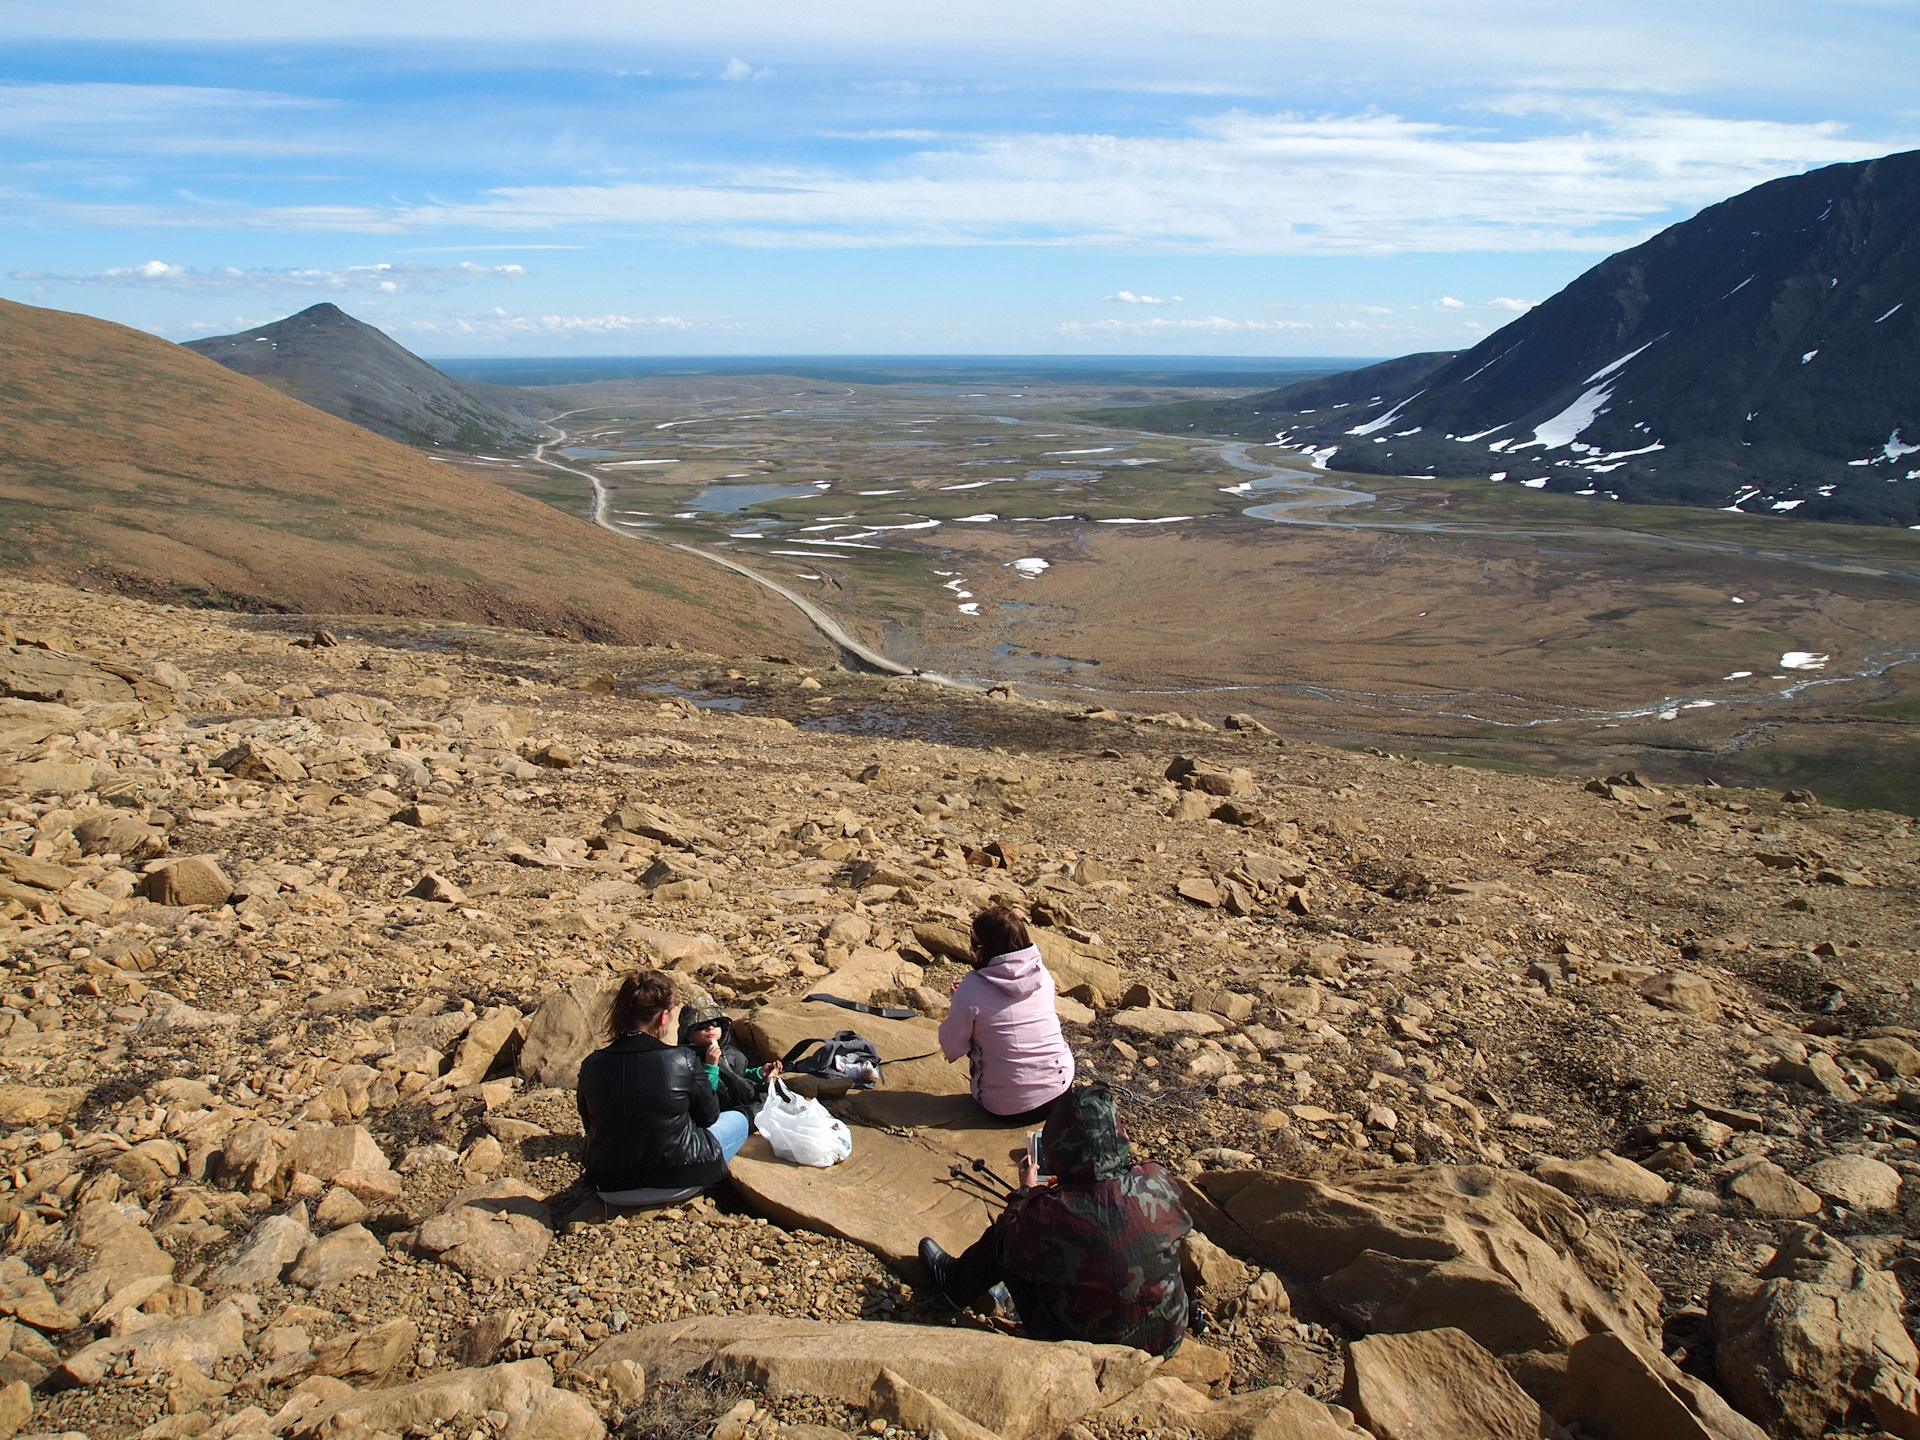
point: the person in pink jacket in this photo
(1002, 1019)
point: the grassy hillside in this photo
(137, 465)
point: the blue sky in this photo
(740, 177)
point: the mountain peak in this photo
(1761, 356)
(346, 367)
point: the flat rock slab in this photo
(1168, 1022)
(32, 1105)
(1019, 1389)
(1438, 1385)
(883, 1197)
(910, 1049)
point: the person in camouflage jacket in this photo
(1095, 1254)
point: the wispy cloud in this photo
(500, 324)
(382, 279)
(1499, 302)
(1236, 182)
(1127, 297)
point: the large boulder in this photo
(273, 1245)
(348, 1156)
(868, 972)
(909, 1049)
(489, 1041)
(123, 1253)
(349, 1251)
(1508, 1260)
(1799, 1347)
(1438, 1385)
(490, 1231)
(1018, 1389)
(190, 881)
(1858, 1182)
(570, 1025)
(200, 1340)
(1606, 1176)
(523, 1393)
(1618, 1391)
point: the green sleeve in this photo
(713, 1077)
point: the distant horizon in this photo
(998, 370)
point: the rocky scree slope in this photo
(1514, 1103)
(346, 367)
(1764, 354)
(134, 464)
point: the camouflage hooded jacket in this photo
(1100, 1248)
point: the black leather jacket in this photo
(646, 1106)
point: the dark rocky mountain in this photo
(348, 368)
(1764, 354)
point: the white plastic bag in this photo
(801, 1130)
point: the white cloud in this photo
(1212, 325)
(1234, 183)
(499, 323)
(1127, 297)
(1499, 302)
(381, 279)
(737, 70)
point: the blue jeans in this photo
(731, 1130)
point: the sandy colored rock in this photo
(1773, 1192)
(484, 1046)
(1018, 1389)
(886, 1195)
(192, 881)
(16, 1409)
(329, 1259)
(569, 1026)
(273, 1244)
(490, 1231)
(1510, 1261)
(868, 972)
(1684, 991)
(251, 760)
(1168, 1022)
(37, 1105)
(122, 1253)
(370, 1353)
(345, 1155)
(905, 1404)
(201, 1340)
(1607, 1175)
(1209, 1271)
(523, 1392)
(1072, 962)
(1798, 1346)
(1617, 1391)
(1888, 1054)
(1855, 1181)
(1437, 1385)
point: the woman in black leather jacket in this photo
(652, 1118)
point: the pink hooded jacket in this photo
(1002, 1019)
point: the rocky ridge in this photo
(1501, 1102)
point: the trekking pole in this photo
(983, 1168)
(997, 1191)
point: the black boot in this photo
(939, 1266)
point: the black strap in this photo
(885, 1012)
